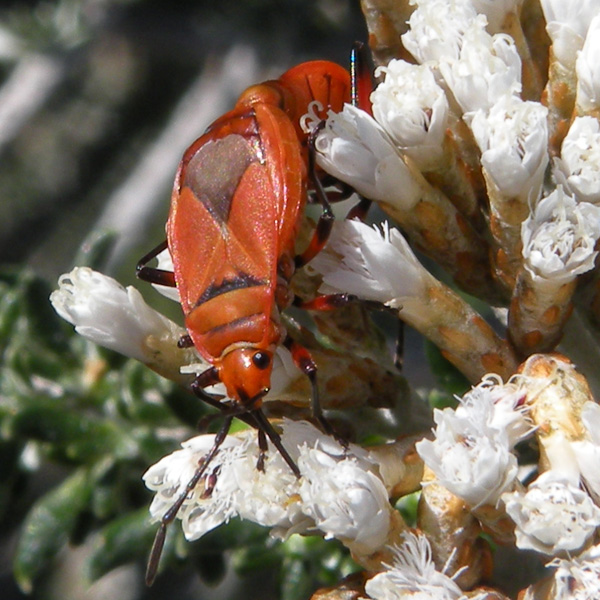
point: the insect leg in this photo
(360, 77)
(361, 88)
(306, 364)
(333, 301)
(263, 447)
(152, 275)
(360, 210)
(208, 378)
(185, 341)
(327, 217)
(169, 516)
(263, 425)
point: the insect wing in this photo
(237, 185)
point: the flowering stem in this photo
(386, 23)
(452, 177)
(560, 95)
(531, 77)
(538, 312)
(557, 395)
(449, 525)
(461, 334)
(436, 227)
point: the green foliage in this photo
(67, 403)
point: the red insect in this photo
(236, 207)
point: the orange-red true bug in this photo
(236, 207)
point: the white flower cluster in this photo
(472, 453)
(559, 237)
(473, 456)
(340, 493)
(482, 72)
(110, 315)
(412, 574)
(371, 262)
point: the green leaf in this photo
(73, 436)
(297, 582)
(48, 526)
(121, 541)
(211, 567)
(249, 559)
(408, 506)
(235, 534)
(10, 476)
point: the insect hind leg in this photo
(333, 301)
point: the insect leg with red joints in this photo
(334, 301)
(306, 364)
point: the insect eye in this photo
(261, 360)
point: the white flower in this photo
(413, 574)
(413, 109)
(345, 500)
(578, 168)
(505, 406)
(577, 578)
(338, 493)
(559, 238)
(437, 28)
(237, 487)
(513, 139)
(554, 515)
(354, 148)
(169, 477)
(470, 456)
(487, 68)
(588, 69)
(372, 264)
(339, 489)
(587, 451)
(567, 22)
(106, 313)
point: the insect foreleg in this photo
(263, 425)
(307, 365)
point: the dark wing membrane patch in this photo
(241, 280)
(214, 172)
